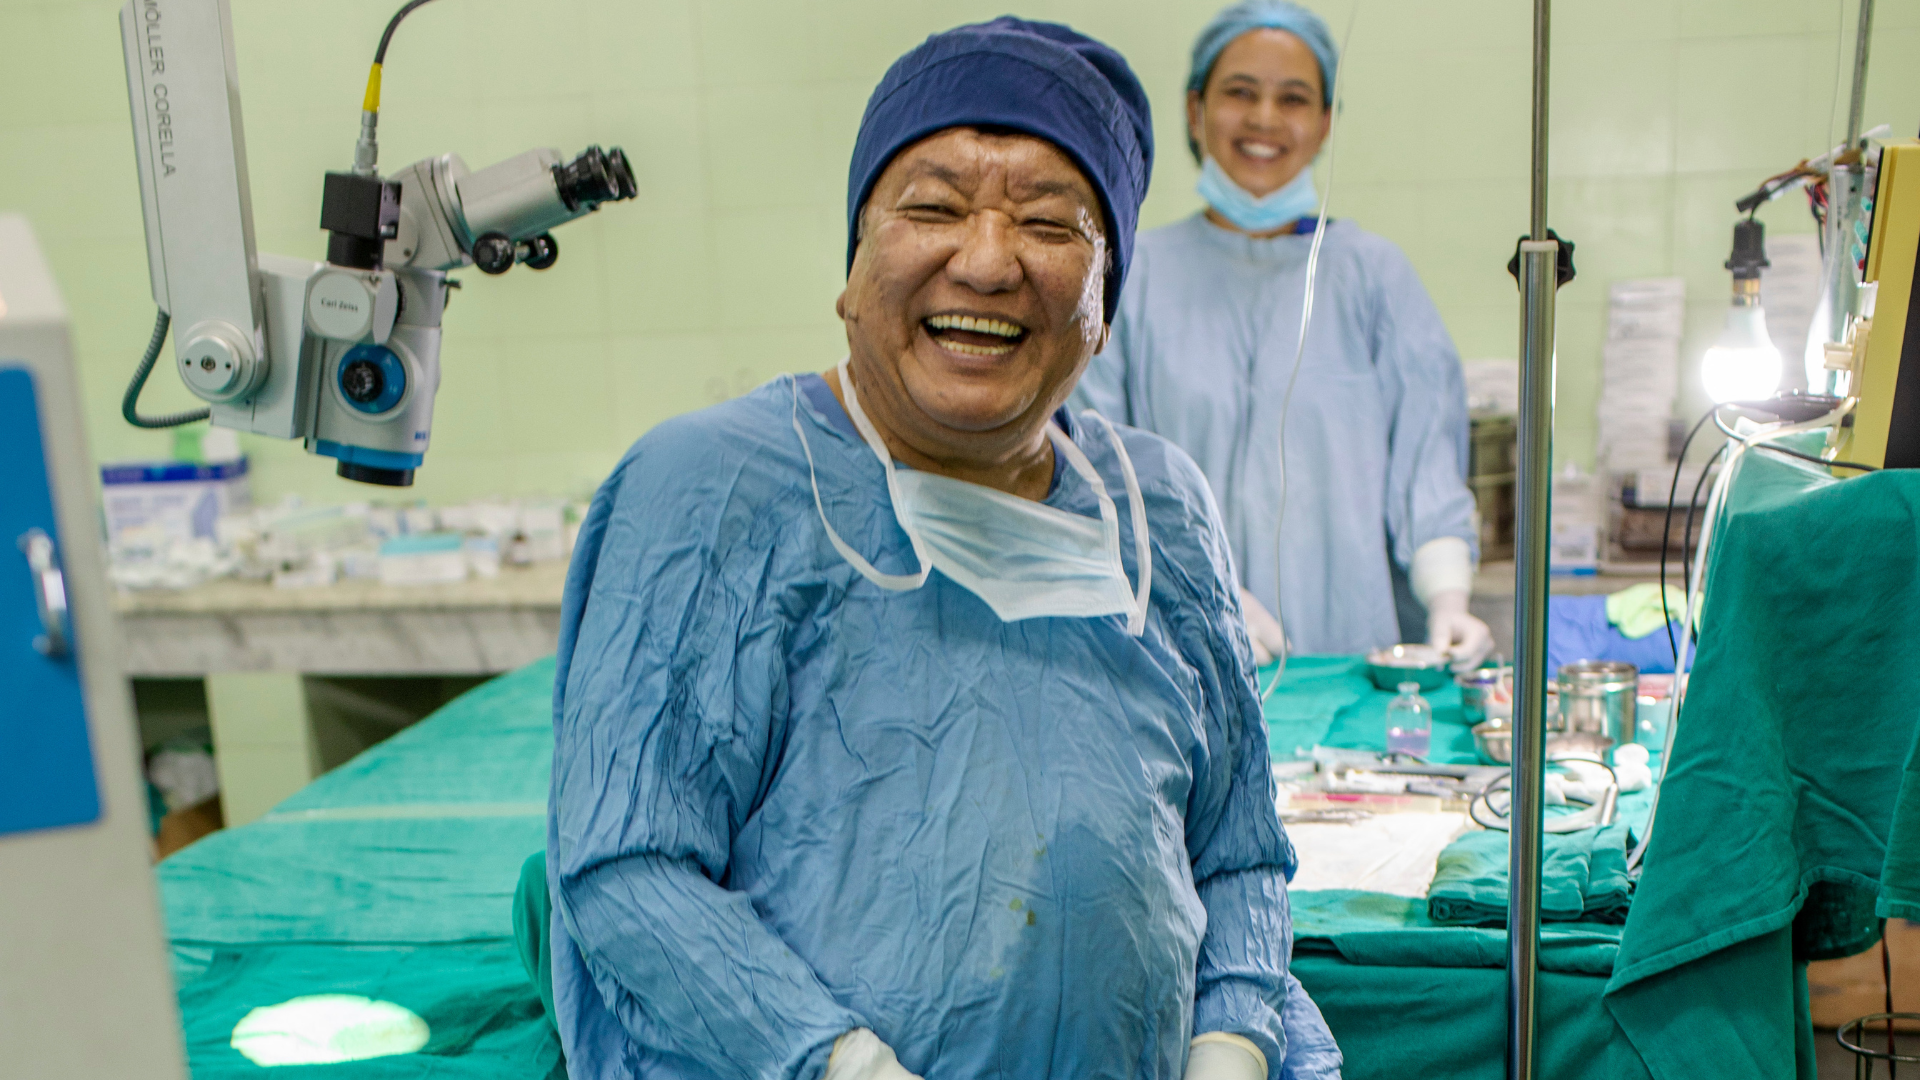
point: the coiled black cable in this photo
(130, 404)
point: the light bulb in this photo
(1743, 365)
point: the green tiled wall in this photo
(739, 115)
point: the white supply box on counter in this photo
(171, 500)
(1575, 544)
(438, 558)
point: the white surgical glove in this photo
(1263, 630)
(1442, 579)
(1220, 1056)
(1450, 627)
(860, 1055)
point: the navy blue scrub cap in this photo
(1037, 78)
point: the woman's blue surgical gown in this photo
(788, 803)
(1201, 352)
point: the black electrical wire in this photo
(380, 55)
(1666, 530)
(1666, 527)
(1686, 535)
(1886, 975)
(130, 404)
(1790, 452)
(1818, 460)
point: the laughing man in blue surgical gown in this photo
(910, 732)
(1204, 347)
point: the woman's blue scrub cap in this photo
(1041, 79)
(1265, 15)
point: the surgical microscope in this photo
(342, 354)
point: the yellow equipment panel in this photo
(1886, 421)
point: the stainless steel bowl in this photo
(1494, 740)
(1422, 664)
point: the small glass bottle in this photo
(1409, 723)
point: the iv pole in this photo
(1845, 192)
(1857, 103)
(1539, 258)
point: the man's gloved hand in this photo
(860, 1055)
(1449, 626)
(1269, 640)
(1220, 1056)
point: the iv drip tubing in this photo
(1299, 354)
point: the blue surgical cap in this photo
(1037, 78)
(1265, 15)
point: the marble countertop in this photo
(479, 626)
(536, 586)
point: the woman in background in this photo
(1204, 351)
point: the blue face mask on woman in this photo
(1295, 200)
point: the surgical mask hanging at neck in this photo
(1024, 559)
(1297, 199)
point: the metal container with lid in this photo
(1597, 696)
(1486, 693)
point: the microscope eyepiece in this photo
(617, 166)
(593, 178)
